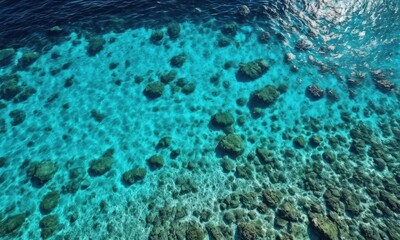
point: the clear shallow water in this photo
(77, 116)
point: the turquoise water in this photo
(282, 124)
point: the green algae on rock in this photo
(28, 58)
(102, 165)
(11, 224)
(42, 172)
(11, 89)
(272, 198)
(254, 69)
(48, 225)
(156, 37)
(134, 175)
(49, 202)
(194, 231)
(178, 60)
(155, 162)
(231, 144)
(264, 155)
(223, 119)
(250, 231)
(168, 76)
(288, 211)
(164, 142)
(265, 96)
(95, 45)
(229, 29)
(173, 30)
(188, 88)
(324, 227)
(299, 142)
(154, 90)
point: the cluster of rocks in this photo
(382, 83)
(7, 56)
(98, 167)
(173, 31)
(155, 89)
(14, 90)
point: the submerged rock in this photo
(303, 45)
(223, 120)
(194, 231)
(265, 96)
(324, 227)
(264, 155)
(11, 224)
(164, 142)
(332, 95)
(134, 175)
(168, 76)
(173, 30)
(155, 162)
(49, 225)
(154, 90)
(26, 92)
(289, 57)
(249, 231)
(42, 172)
(229, 29)
(178, 60)
(356, 79)
(231, 144)
(189, 88)
(223, 42)
(315, 140)
(272, 198)
(3, 161)
(289, 212)
(6, 56)
(96, 44)
(385, 85)
(156, 37)
(55, 31)
(102, 165)
(314, 92)
(219, 232)
(18, 116)
(244, 11)
(253, 70)
(11, 89)
(98, 116)
(263, 37)
(49, 202)
(27, 59)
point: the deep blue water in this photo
(27, 23)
